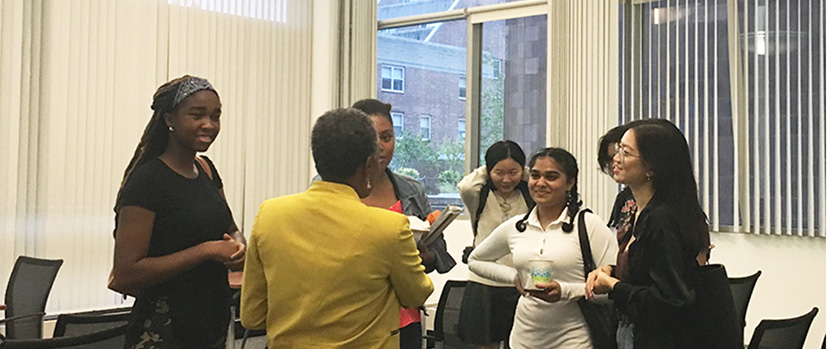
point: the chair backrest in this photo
(95, 340)
(28, 289)
(447, 314)
(742, 288)
(69, 325)
(782, 334)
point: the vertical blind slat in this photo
(800, 123)
(822, 224)
(811, 208)
(765, 118)
(703, 150)
(778, 116)
(789, 179)
(715, 213)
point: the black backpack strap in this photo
(482, 199)
(585, 245)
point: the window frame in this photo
(392, 79)
(476, 17)
(421, 119)
(400, 115)
(747, 210)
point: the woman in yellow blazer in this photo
(324, 270)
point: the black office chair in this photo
(742, 288)
(782, 334)
(445, 334)
(72, 325)
(95, 340)
(26, 294)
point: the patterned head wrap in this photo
(190, 86)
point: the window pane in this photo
(683, 75)
(684, 57)
(513, 100)
(397, 123)
(403, 8)
(431, 69)
(784, 57)
(425, 127)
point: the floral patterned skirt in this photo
(156, 331)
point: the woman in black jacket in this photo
(653, 283)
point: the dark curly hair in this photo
(341, 140)
(374, 107)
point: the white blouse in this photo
(539, 324)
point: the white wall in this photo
(793, 275)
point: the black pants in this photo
(411, 336)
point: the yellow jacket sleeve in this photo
(254, 303)
(412, 286)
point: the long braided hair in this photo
(154, 140)
(568, 164)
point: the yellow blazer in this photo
(323, 270)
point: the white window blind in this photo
(751, 103)
(76, 83)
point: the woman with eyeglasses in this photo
(624, 204)
(652, 283)
(548, 316)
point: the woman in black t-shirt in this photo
(175, 237)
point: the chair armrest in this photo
(15, 318)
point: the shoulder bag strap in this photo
(482, 200)
(205, 166)
(585, 245)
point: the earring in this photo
(170, 128)
(368, 183)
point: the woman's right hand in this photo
(591, 281)
(221, 250)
